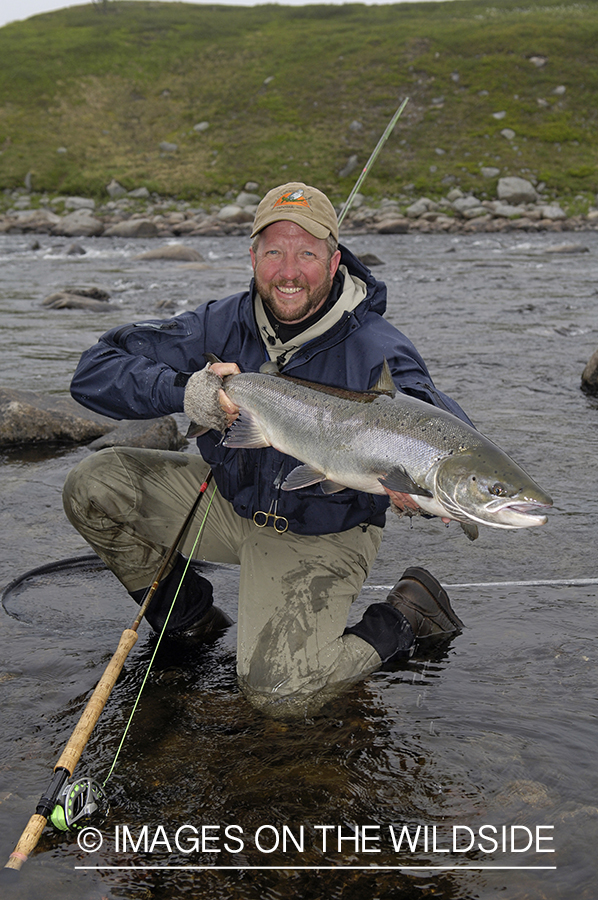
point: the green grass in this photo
(111, 86)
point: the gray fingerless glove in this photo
(201, 402)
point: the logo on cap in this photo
(293, 198)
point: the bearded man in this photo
(316, 313)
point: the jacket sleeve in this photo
(139, 371)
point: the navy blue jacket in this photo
(134, 372)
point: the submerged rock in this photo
(92, 298)
(172, 251)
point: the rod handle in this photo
(78, 739)
(27, 842)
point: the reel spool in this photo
(80, 803)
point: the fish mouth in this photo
(516, 514)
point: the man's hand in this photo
(402, 501)
(206, 403)
(406, 501)
(221, 369)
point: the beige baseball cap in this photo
(299, 203)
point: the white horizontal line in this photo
(562, 582)
(320, 868)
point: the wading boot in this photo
(194, 618)
(425, 604)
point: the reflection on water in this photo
(488, 743)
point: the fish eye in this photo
(498, 489)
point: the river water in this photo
(498, 733)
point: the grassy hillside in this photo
(282, 87)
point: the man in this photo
(316, 312)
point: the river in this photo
(482, 760)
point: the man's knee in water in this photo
(90, 490)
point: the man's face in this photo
(293, 272)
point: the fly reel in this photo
(80, 803)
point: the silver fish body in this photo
(371, 441)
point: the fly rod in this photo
(71, 754)
(372, 159)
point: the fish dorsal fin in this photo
(385, 384)
(246, 432)
(399, 480)
(302, 476)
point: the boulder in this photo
(398, 225)
(79, 223)
(553, 211)
(419, 207)
(132, 228)
(516, 190)
(235, 214)
(141, 193)
(34, 220)
(27, 417)
(156, 434)
(168, 147)
(79, 203)
(589, 376)
(115, 190)
(172, 251)
(92, 298)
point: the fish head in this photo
(485, 485)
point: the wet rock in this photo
(92, 298)
(370, 259)
(172, 251)
(154, 434)
(516, 190)
(132, 228)
(75, 250)
(567, 248)
(79, 223)
(27, 417)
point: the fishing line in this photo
(160, 636)
(560, 582)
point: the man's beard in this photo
(313, 300)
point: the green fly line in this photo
(160, 636)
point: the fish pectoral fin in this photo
(470, 529)
(246, 432)
(399, 480)
(302, 476)
(332, 487)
